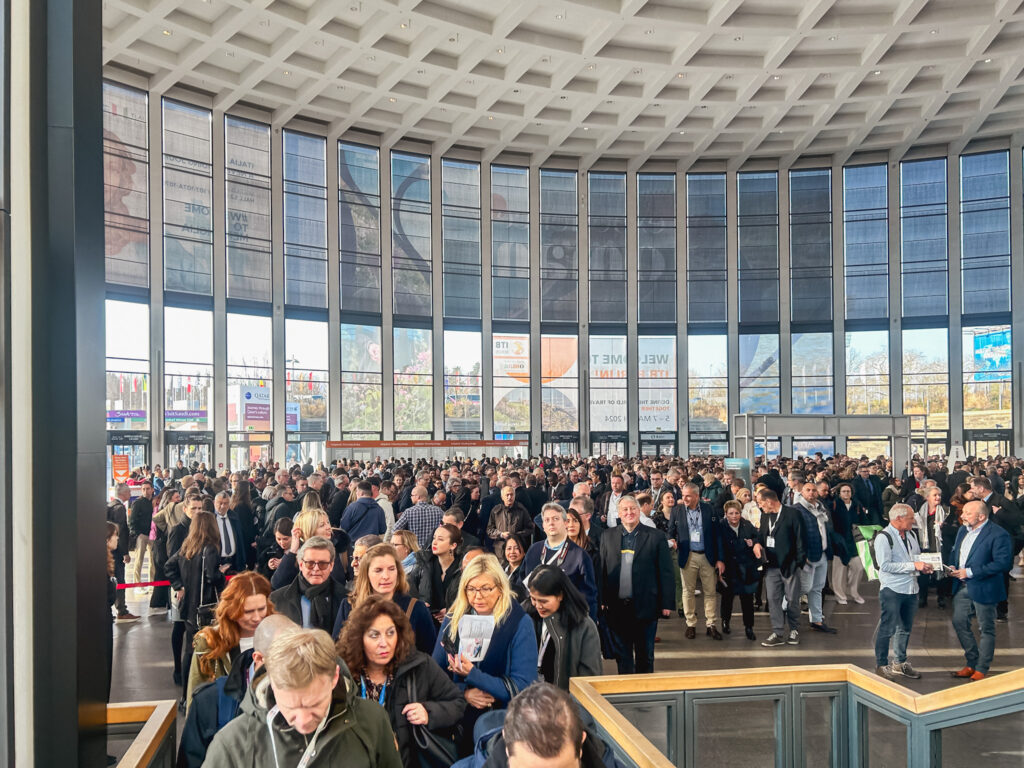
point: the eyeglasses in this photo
(317, 565)
(482, 591)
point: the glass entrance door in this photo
(608, 449)
(562, 448)
(189, 453)
(244, 455)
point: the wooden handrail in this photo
(157, 718)
(591, 692)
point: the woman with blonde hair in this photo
(244, 603)
(307, 524)
(491, 676)
(381, 573)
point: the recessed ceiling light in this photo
(287, 72)
(648, 31)
(501, 50)
(738, 38)
(392, 99)
(988, 61)
(933, 31)
(404, 25)
(585, 128)
(167, 32)
(878, 71)
(680, 74)
(590, 66)
(558, 17)
(371, 58)
(833, 38)
(776, 77)
(682, 133)
(489, 117)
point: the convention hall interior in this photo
(618, 234)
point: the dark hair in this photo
(543, 718)
(551, 581)
(767, 494)
(454, 533)
(364, 487)
(455, 512)
(350, 642)
(284, 526)
(241, 497)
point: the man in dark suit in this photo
(693, 533)
(782, 544)
(1007, 515)
(234, 550)
(981, 556)
(535, 496)
(867, 489)
(635, 586)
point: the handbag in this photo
(432, 751)
(206, 613)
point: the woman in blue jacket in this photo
(509, 661)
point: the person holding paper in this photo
(509, 661)
(898, 559)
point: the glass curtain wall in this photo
(608, 406)
(758, 222)
(460, 228)
(188, 370)
(926, 379)
(126, 184)
(759, 373)
(127, 350)
(706, 247)
(410, 234)
(656, 247)
(359, 227)
(306, 377)
(463, 384)
(250, 375)
(511, 356)
(560, 383)
(657, 374)
(414, 382)
(361, 382)
(867, 372)
(810, 245)
(188, 198)
(866, 241)
(305, 220)
(510, 243)
(247, 193)
(708, 385)
(924, 237)
(607, 229)
(985, 232)
(812, 373)
(559, 247)
(987, 372)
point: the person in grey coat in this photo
(568, 642)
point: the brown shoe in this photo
(691, 633)
(963, 673)
(977, 676)
(714, 634)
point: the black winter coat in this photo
(789, 555)
(200, 577)
(741, 574)
(288, 600)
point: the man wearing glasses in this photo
(312, 600)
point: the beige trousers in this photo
(697, 566)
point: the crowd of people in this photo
(392, 610)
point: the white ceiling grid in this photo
(635, 80)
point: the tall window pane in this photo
(759, 373)
(410, 233)
(866, 240)
(460, 227)
(307, 385)
(305, 220)
(810, 244)
(708, 386)
(924, 237)
(463, 361)
(988, 398)
(559, 246)
(511, 382)
(607, 227)
(510, 243)
(608, 409)
(656, 247)
(867, 372)
(926, 375)
(414, 381)
(361, 380)
(657, 375)
(706, 247)
(758, 247)
(247, 188)
(188, 199)
(812, 373)
(188, 370)
(560, 383)
(985, 232)
(359, 227)
(126, 184)
(127, 365)
(250, 374)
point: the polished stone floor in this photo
(143, 670)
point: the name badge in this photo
(694, 536)
(770, 542)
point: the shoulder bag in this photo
(432, 750)
(206, 613)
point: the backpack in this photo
(873, 571)
(111, 507)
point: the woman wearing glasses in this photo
(381, 573)
(490, 674)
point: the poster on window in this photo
(657, 373)
(253, 403)
(608, 402)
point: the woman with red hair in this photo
(244, 603)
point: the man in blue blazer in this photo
(981, 555)
(693, 533)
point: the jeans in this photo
(895, 620)
(776, 587)
(812, 581)
(964, 609)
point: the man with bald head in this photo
(216, 703)
(982, 554)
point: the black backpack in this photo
(888, 537)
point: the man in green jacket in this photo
(305, 711)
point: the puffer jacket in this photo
(357, 735)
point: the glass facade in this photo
(175, 383)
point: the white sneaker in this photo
(840, 600)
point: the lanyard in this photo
(771, 528)
(310, 751)
(383, 690)
(559, 554)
